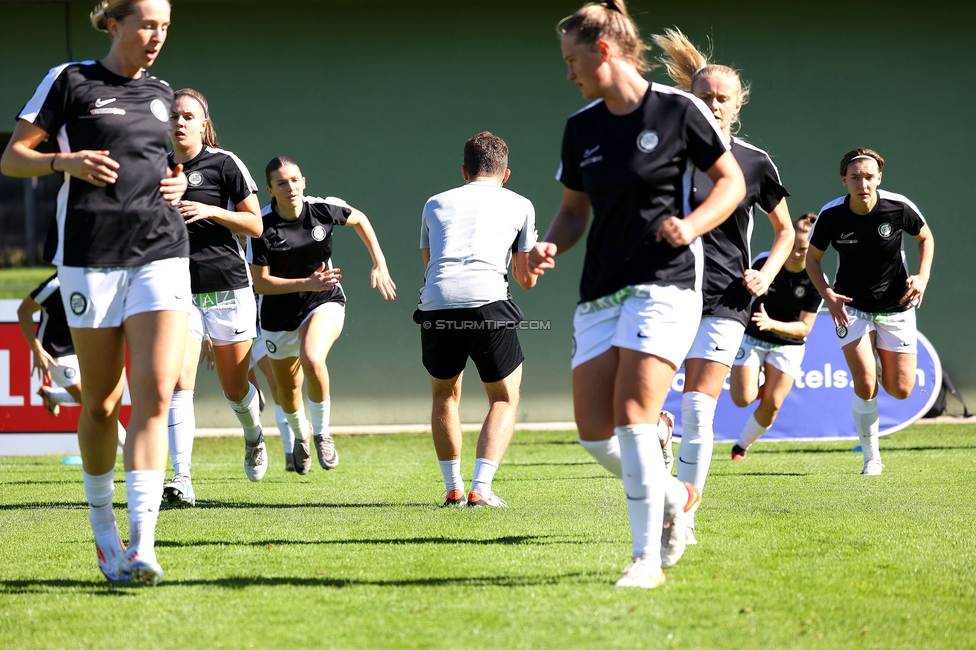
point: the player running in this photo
(774, 340)
(625, 156)
(220, 203)
(122, 261)
(873, 299)
(302, 303)
(729, 281)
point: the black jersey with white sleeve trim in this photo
(53, 330)
(788, 295)
(871, 264)
(727, 247)
(216, 177)
(636, 170)
(127, 223)
(295, 249)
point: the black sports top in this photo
(788, 295)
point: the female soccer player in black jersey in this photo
(220, 203)
(873, 299)
(640, 299)
(730, 282)
(302, 304)
(122, 260)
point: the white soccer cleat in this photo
(675, 533)
(643, 573)
(476, 500)
(255, 459)
(664, 430)
(179, 492)
(872, 468)
(327, 452)
(112, 562)
(145, 571)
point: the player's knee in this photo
(900, 390)
(740, 399)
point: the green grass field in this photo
(797, 550)
(18, 282)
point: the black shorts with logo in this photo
(486, 334)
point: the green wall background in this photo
(375, 100)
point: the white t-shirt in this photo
(471, 232)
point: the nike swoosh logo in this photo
(236, 331)
(642, 335)
(846, 236)
(718, 349)
(589, 152)
(103, 102)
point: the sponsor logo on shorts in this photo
(318, 233)
(239, 332)
(718, 349)
(70, 373)
(159, 110)
(194, 179)
(272, 348)
(885, 229)
(78, 303)
(841, 332)
(642, 335)
(648, 140)
(800, 291)
(741, 353)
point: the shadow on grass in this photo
(241, 582)
(537, 443)
(510, 540)
(769, 474)
(558, 463)
(45, 505)
(207, 504)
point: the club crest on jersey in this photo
(194, 179)
(158, 109)
(885, 229)
(318, 233)
(79, 304)
(648, 140)
(799, 292)
(841, 332)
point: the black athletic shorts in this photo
(487, 334)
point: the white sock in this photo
(248, 413)
(751, 432)
(122, 435)
(287, 437)
(484, 473)
(867, 420)
(606, 452)
(60, 396)
(98, 490)
(182, 426)
(451, 469)
(144, 489)
(643, 474)
(697, 438)
(320, 413)
(297, 423)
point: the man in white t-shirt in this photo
(468, 238)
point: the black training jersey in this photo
(788, 295)
(86, 106)
(871, 265)
(216, 177)
(295, 249)
(53, 331)
(727, 247)
(636, 170)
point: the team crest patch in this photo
(741, 353)
(158, 109)
(271, 346)
(318, 233)
(885, 229)
(70, 373)
(78, 303)
(647, 141)
(841, 332)
(194, 178)
(799, 292)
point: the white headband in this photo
(864, 157)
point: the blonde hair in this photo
(608, 21)
(117, 9)
(209, 135)
(686, 65)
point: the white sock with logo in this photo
(484, 474)
(606, 452)
(298, 424)
(287, 437)
(144, 490)
(451, 470)
(867, 421)
(751, 432)
(644, 483)
(248, 413)
(320, 413)
(697, 438)
(98, 491)
(182, 427)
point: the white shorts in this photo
(717, 339)
(259, 350)
(895, 332)
(225, 316)
(785, 358)
(654, 319)
(97, 297)
(67, 373)
(283, 345)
